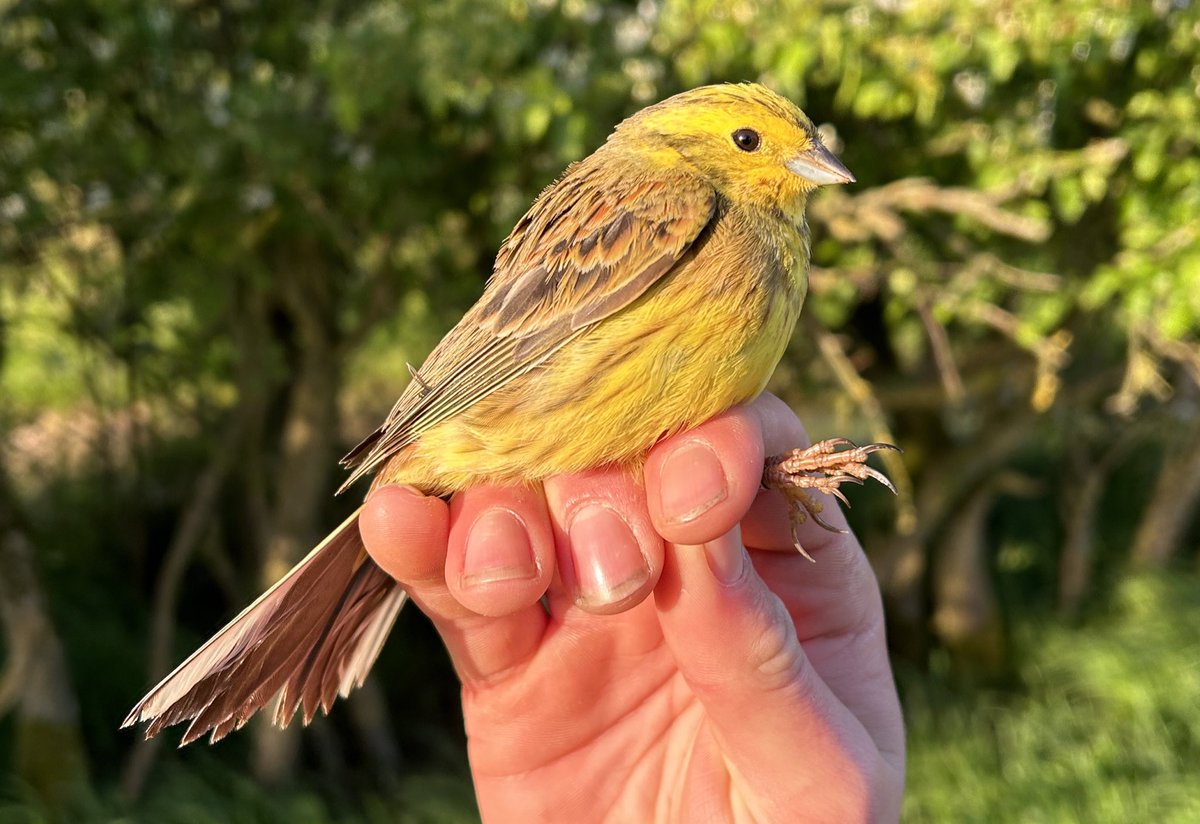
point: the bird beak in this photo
(819, 166)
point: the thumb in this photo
(778, 724)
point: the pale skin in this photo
(692, 665)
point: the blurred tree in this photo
(35, 683)
(49, 754)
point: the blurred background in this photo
(226, 225)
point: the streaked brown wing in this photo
(590, 245)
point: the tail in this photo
(311, 637)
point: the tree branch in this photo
(194, 524)
(876, 212)
(861, 392)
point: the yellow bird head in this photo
(755, 147)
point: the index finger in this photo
(703, 482)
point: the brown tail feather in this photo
(311, 637)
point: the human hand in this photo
(753, 686)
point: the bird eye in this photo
(746, 139)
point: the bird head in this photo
(755, 147)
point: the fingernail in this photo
(409, 488)
(498, 549)
(727, 558)
(693, 482)
(609, 564)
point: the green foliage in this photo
(1105, 730)
(176, 142)
(212, 794)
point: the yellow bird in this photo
(653, 286)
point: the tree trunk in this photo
(302, 480)
(1081, 504)
(372, 722)
(966, 612)
(194, 524)
(35, 685)
(901, 561)
(1079, 543)
(1173, 504)
(901, 565)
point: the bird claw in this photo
(824, 466)
(879, 476)
(796, 537)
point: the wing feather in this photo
(592, 244)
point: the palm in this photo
(629, 733)
(630, 730)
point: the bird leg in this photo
(824, 468)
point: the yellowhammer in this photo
(654, 285)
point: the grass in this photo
(219, 795)
(1107, 728)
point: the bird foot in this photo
(824, 468)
